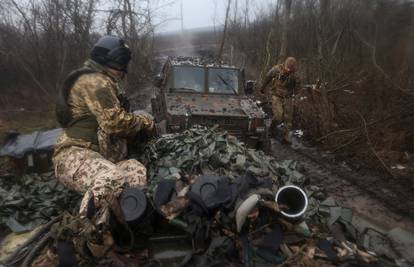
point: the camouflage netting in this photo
(327, 237)
(205, 151)
(30, 200)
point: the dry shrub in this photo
(371, 122)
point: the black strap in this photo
(246, 250)
(197, 205)
(124, 101)
(67, 254)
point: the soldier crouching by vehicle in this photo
(283, 85)
(90, 154)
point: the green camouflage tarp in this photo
(205, 151)
(30, 200)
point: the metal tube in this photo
(292, 200)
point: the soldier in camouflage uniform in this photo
(283, 84)
(90, 154)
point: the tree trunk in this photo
(235, 11)
(223, 39)
(322, 25)
(285, 30)
(246, 14)
(323, 20)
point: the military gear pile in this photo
(201, 180)
(326, 236)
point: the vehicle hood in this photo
(212, 105)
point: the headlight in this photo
(175, 127)
(260, 129)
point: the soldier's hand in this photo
(151, 125)
(282, 92)
(148, 119)
(151, 129)
(149, 122)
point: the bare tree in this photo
(42, 40)
(246, 13)
(214, 18)
(285, 30)
(236, 10)
(223, 39)
(322, 24)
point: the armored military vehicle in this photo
(199, 91)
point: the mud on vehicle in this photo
(199, 91)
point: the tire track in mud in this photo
(379, 206)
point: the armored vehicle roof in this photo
(197, 62)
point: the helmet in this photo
(111, 51)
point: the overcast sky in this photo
(202, 13)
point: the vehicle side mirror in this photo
(249, 87)
(157, 80)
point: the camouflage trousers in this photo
(89, 173)
(282, 109)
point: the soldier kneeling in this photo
(90, 155)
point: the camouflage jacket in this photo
(282, 84)
(96, 95)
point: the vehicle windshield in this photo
(189, 79)
(224, 81)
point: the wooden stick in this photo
(371, 147)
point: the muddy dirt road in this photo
(360, 191)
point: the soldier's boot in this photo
(273, 129)
(287, 119)
(286, 138)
